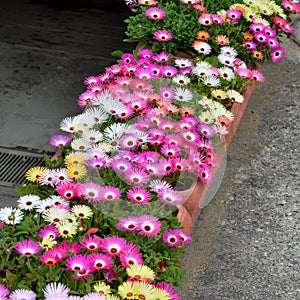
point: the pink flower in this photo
(172, 237)
(114, 245)
(27, 247)
(49, 231)
(277, 54)
(205, 19)
(60, 140)
(162, 35)
(68, 191)
(204, 173)
(78, 263)
(170, 197)
(99, 261)
(91, 243)
(155, 13)
(148, 225)
(139, 195)
(129, 223)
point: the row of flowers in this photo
(99, 220)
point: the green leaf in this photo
(117, 53)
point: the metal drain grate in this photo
(15, 163)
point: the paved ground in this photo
(246, 242)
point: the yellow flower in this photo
(140, 272)
(106, 147)
(126, 290)
(76, 171)
(206, 117)
(82, 211)
(66, 229)
(219, 94)
(48, 242)
(112, 297)
(74, 158)
(144, 291)
(161, 294)
(34, 173)
(101, 288)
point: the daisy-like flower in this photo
(155, 13)
(206, 130)
(172, 238)
(80, 144)
(139, 195)
(158, 185)
(101, 288)
(22, 294)
(169, 71)
(161, 294)
(121, 165)
(202, 48)
(272, 43)
(46, 178)
(28, 247)
(129, 223)
(34, 174)
(277, 54)
(257, 27)
(28, 202)
(205, 19)
(219, 94)
(183, 94)
(127, 58)
(77, 263)
(55, 215)
(233, 14)
(60, 140)
(226, 73)
(74, 158)
(249, 45)
(235, 96)
(67, 229)
(4, 291)
(229, 51)
(114, 245)
(56, 290)
(261, 37)
(110, 193)
(49, 231)
(136, 177)
(91, 243)
(222, 40)
(126, 290)
(100, 261)
(129, 141)
(140, 273)
(257, 76)
(170, 197)
(162, 57)
(167, 93)
(93, 136)
(48, 243)
(145, 53)
(144, 73)
(68, 191)
(243, 73)
(91, 191)
(162, 35)
(113, 133)
(11, 216)
(181, 79)
(76, 171)
(211, 81)
(183, 63)
(204, 173)
(170, 151)
(148, 225)
(82, 211)
(50, 258)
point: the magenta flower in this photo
(114, 245)
(170, 151)
(127, 58)
(131, 257)
(206, 130)
(27, 247)
(261, 37)
(204, 173)
(100, 261)
(172, 238)
(155, 70)
(290, 6)
(137, 177)
(277, 54)
(4, 291)
(51, 257)
(233, 14)
(249, 45)
(49, 231)
(169, 71)
(167, 93)
(139, 195)
(91, 191)
(155, 13)
(60, 140)
(217, 19)
(162, 57)
(68, 191)
(129, 223)
(257, 76)
(121, 165)
(77, 263)
(243, 73)
(97, 163)
(86, 98)
(110, 193)
(91, 243)
(143, 73)
(148, 225)
(162, 35)
(170, 197)
(145, 53)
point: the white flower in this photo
(80, 144)
(183, 63)
(69, 124)
(28, 202)
(229, 51)
(211, 81)
(93, 136)
(113, 133)
(182, 94)
(226, 73)
(202, 71)
(11, 215)
(181, 79)
(203, 48)
(226, 60)
(94, 115)
(235, 96)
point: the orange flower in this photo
(195, 43)
(222, 40)
(154, 98)
(172, 109)
(257, 54)
(240, 9)
(224, 121)
(186, 111)
(248, 36)
(203, 35)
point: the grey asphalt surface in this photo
(246, 241)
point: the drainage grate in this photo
(15, 163)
